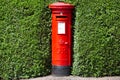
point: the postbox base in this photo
(60, 70)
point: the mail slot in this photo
(61, 38)
(62, 17)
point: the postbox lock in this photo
(66, 42)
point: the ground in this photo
(74, 78)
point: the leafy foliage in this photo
(24, 39)
(97, 38)
(25, 36)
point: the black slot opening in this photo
(61, 16)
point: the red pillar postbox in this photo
(61, 38)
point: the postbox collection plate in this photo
(61, 28)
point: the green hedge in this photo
(97, 38)
(24, 39)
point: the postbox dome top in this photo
(61, 5)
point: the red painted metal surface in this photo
(61, 33)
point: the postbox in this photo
(61, 38)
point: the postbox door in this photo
(62, 48)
